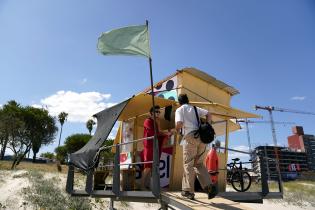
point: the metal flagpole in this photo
(156, 161)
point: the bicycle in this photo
(238, 177)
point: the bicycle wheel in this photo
(241, 181)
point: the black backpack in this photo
(205, 131)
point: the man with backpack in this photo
(187, 123)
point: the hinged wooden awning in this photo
(224, 112)
(141, 104)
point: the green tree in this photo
(41, 128)
(10, 124)
(107, 154)
(3, 134)
(23, 129)
(62, 117)
(89, 125)
(76, 141)
(61, 154)
(48, 155)
(72, 144)
(13, 129)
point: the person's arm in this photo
(204, 112)
(178, 126)
(209, 117)
(178, 120)
(148, 126)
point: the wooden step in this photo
(201, 202)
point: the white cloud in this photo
(79, 106)
(83, 81)
(298, 98)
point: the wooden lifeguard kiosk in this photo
(204, 91)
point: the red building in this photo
(295, 141)
(303, 143)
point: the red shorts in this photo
(148, 153)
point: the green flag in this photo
(132, 40)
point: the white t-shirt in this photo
(186, 114)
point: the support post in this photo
(276, 150)
(70, 179)
(264, 178)
(111, 204)
(164, 206)
(225, 148)
(267, 162)
(248, 136)
(89, 181)
(116, 176)
(226, 139)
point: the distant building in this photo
(290, 162)
(304, 143)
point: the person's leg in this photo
(200, 169)
(189, 153)
(146, 175)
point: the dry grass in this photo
(45, 167)
(45, 194)
(296, 193)
(299, 192)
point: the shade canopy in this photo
(225, 112)
(141, 104)
(219, 127)
(85, 157)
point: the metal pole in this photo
(248, 137)
(264, 179)
(276, 149)
(267, 163)
(111, 204)
(116, 176)
(156, 161)
(273, 128)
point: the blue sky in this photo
(265, 49)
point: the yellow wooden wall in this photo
(206, 90)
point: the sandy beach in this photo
(12, 184)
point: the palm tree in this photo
(62, 117)
(89, 125)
